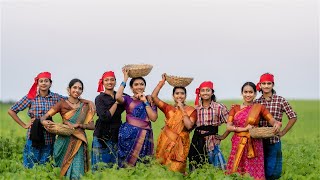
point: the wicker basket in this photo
(138, 70)
(177, 81)
(61, 129)
(262, 132)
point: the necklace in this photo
(247, 104)
(72, 102)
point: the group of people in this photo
(130, 142)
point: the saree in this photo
(174, 142)
(246, 153)
(135, 135)
(71, 152)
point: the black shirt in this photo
(107, 126)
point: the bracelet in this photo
(147, 104)
(123, 84)
(234, 128)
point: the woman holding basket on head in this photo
(173, 143)
(135, 135)
(247, 153)
(71, 152)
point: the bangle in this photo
(123, 84)
(234, 128)
(146, 103)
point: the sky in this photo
(228, 42)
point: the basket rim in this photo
(178, 80)
(137, 66)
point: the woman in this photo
(246, 153)
(210, 116)
(71, 152)
(135, 135)
(173, 143)
(277, 105)
(105, 136)
(40, 99)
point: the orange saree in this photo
(174, 143)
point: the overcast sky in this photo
(226, 41)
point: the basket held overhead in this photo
(61, 129)
(262, 132)
(138, 70)
(177, 81)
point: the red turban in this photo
(263, 78)
(33, 90)
(106, 74)
(207, 84)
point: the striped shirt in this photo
(276, 106)
(38, 107)
(215, 115)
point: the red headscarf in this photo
(106, 74)
(208, 84)
(263, 78)
(33, 90)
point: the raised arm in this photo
(119, 94)
(157, 89)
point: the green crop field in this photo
(301, 151)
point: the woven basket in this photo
(177, 81)
(61, 129)
(262, 132)
(138, 70)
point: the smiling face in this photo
(44, 84)
(248, 94)
(109, 83)
(75, 90)
(206, 93)
(179, 95)
(138, 86)
(266, 87)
